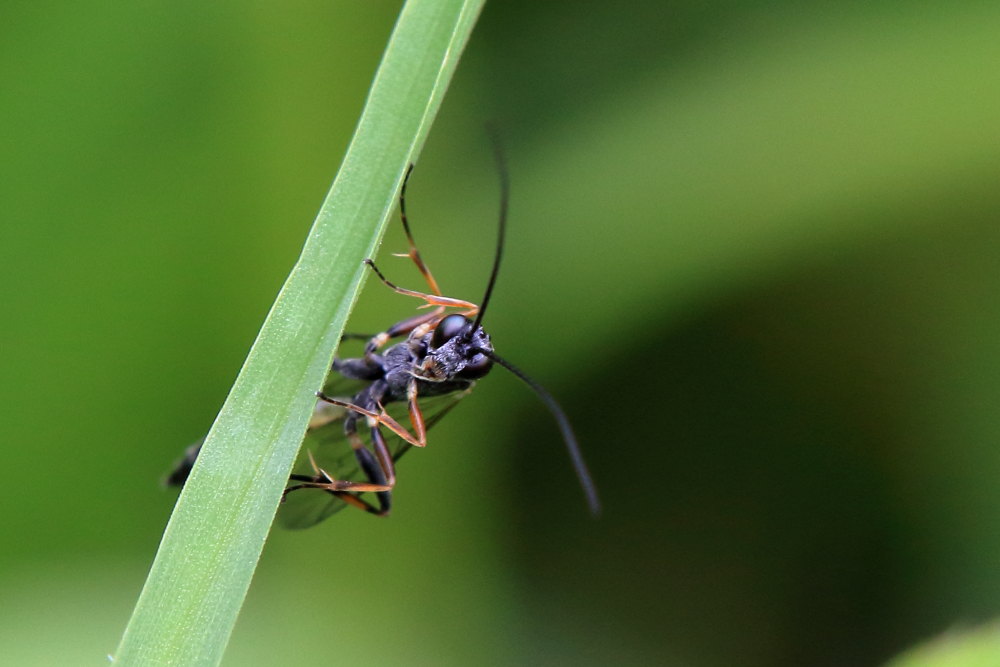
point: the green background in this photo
(753, 250)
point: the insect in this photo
(438, 361)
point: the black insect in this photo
(418, 379)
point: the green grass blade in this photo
(206, 559)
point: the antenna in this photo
(501, 161)
(575, 455)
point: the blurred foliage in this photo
(753, 250)
(977, 647)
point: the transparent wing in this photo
(327, 442)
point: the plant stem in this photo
(199, 579)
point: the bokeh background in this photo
(754, 249)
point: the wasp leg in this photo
(386, 470)
(356, 501)
(431, 299)
(323, 481)
(379, 469)
(375, 341)
(414, 254)
(351, 499)
(367, 368)
(403, 328)
(382, 417)
(419, 436)
(355, 336)
(327, 483)
(416, 416)
(370, 367)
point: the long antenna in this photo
(501, 226)
(575, 455)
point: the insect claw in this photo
(323, 397)
(312, 461)
(319, 471)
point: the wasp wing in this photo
(326, 443)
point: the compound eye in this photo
(447, 329)
(477, 368)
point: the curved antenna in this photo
(575, 455)
(501, 227)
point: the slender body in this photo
(440, 353)
(431, 362)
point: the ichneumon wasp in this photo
(419, 379)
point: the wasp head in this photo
(455, 351)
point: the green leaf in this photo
(211, 546)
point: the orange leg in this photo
(416, 416)
(380, 470)
(381, 417)
(325, 481)
(431, 299)
(419, 436)
(414, 254)
(403, 328)
(351, 499)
